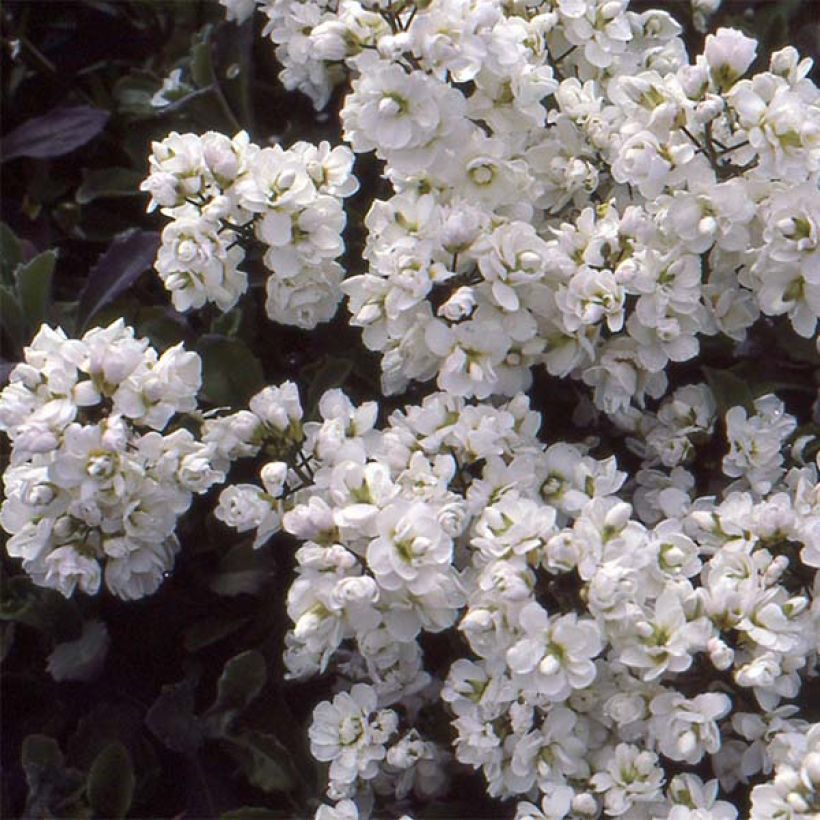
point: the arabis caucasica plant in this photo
(566, 189)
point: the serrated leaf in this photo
(128, 256)
(33, 284)
(231, 373)
(265, 762)
(729, 390)
(107, 183)
(241, 681)
(59, 132)
(110, 784)
(171, 718)
(210, 631)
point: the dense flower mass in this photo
(221, 193)
(592, 610)
(564, 187)
(101, 468)
(569, 188)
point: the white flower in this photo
(728, 54)
(242, 506)
(278, 407)
(350, 734)
(555, 653)
(631, 776)
(687, 729)
(755, 442)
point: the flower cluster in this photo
(224, 195)
(100, 470)
(591, 630)
(272, 425)
(569, 188)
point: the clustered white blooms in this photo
(100, 469)
(223, 194)
(602, 643)
(570, 189)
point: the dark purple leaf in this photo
(128, 256)
(58, 132)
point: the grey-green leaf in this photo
(14, 323)
(209, 631)
(729, 390)
(11, 251)
(110, 784)
(33, 281)
(264, 760)
(50, 785)
(241, 681)
(171, 718)
(202, 69)
(231, 374)
(107, 183)
(40, 752)
(242, 570)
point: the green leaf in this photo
(227, 324)
(106, 183)
(11, 251)
(34, 287)
(14, 323)
(729, 390)
(231, 374)
(133, 93)
(238, 42)
(264, 760)
(162, 325)
(7, 631)
(171, 718)
(43, 609)
(242, 570)
(330, 372)
(210, 631)
(796, 347)
(41, 752)
(250, 813)
(110, 784)
(202, 68)
(241, 681)
(50, 785)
